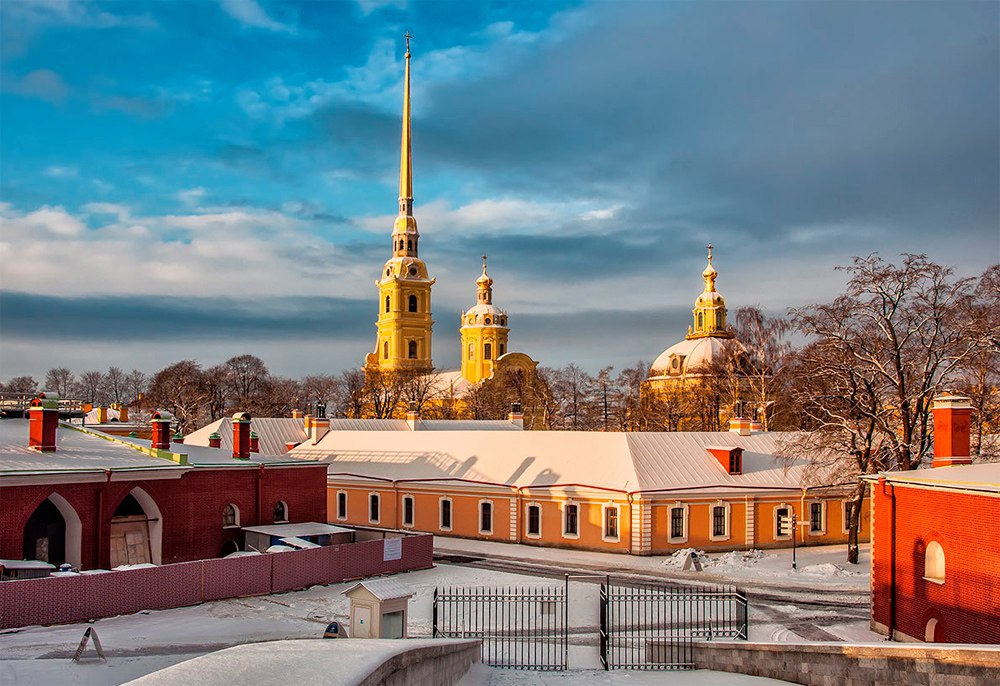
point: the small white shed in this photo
(379, 608)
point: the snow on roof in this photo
(273, 433)
(617, 461)
(984, 477)
(298, 530)
(25, 564)
(75, 451)
(385, 588)
(212, 457)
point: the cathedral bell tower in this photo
(484, 332)
(404, 288)
(710, 308)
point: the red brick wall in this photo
(967, 526)
(91, 596)
(191, 508)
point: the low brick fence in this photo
(838, 664)
(58, 600)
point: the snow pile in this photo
(735, 559)
(828, 569)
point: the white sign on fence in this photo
(392, 549)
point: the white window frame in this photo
(565, 519)
(413, 510)
(346, 501)
(604, 523)
(493, 512)
(284, 509)
(451, 513)
(236, 519)
(727, 518)
(684, 522)
(527, 520)
(846, 522)
(774, 523)
(822, 517)
(378, 506)
(944, 564)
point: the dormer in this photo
(730, 457)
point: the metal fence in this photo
(645, 626)
(520, 627)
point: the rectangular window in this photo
(407, 510)
(781, 514)
(534, 520)
(488, 354)
(719, 520)
(735, 458)
(485, 518)
(571, 525)
(815, 518)
(373, 508)
(848, 513)
(341, 505)
(446, 514)
(611, 522)
(677, 522)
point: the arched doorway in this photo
(932, 631)
(136, 530)
(45, 534)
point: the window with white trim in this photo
(485, 516)
(934, 563)
(610, 522)
(280, 512)
(782, 513)
(374, 508)
(848, 513)
(230, 516)
(677, 521)
(720, 521)
(408, 506)
(571, 520)
(445, 511)
(533, 521)
(341, 505)
(817, 520)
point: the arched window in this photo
(934, 562)
(413, 303)
(472, 351)
(230, 516)
(719, 319)
(701, 321)
(280, 512)
(412, 350)
(387, 303)
(488, 352)
(385, 350)
(409, 244)
(502, 349)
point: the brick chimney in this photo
(413, 417)
(122, 413)
(516, 415)
(43, 420)
(740, 425)
(178, 437)
(254, 442)
(161, 430)
(318, 427)
(241, 436)
(214, 440)
(102, 415)
(952, 415)
(297, 414)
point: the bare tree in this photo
(115, 384)
(180, 389)
(321, 388)
(352, 384)
(135, 386)
(979, 374)
(60, 380)
(21, 384)
(248, 384)
(382, 391)
(416, 389)
(571, 388)
(90, 387)
(880, 353)
(758, 359)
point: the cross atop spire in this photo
(407, 37)
(709, 246)
(484, 263)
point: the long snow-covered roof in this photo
(619, 461)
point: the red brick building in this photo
(98, 501)
(936, 542)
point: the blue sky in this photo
(202, 179)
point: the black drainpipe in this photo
(892, 572)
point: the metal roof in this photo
(273, 432)
(298, 530)
(984, 477)
(385, 588)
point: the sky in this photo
(198, 179)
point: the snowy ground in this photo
(481, 675)
(141, 643)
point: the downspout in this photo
(630, 533)
(396, 504)
(260, 495)
(100, 522)
(892, 571)
(520, 513)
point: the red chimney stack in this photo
(214, 440)
(43, 420)
(254, 442)
(952, 417)
(161, 430)
(241, 436)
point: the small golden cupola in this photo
(710, 308)
(484, 332)
(404, 301)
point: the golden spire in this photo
(485, 285)
(405, 154)
(709, 274)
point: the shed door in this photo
(129, 541)
(361, 624)
(392, 625)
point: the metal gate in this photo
(520, 627)
(647, 626)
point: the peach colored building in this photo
(638, 493)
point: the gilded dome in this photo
(690, 356)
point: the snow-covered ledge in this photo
(355, 662)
